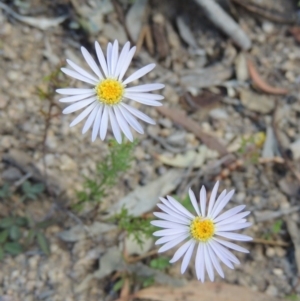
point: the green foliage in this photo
(293, 297)
(108, 171)
(11, 234)
(31, 191)
(160, 263)
(118, 285)
(273, 231)
(277, 226)
(148, 282)
(5, 191)
(138, 227)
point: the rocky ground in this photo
(234, 112)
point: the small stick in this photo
(138, 258)
(269, 242)
(263, 12)
(224, 22)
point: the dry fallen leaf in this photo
(196, 291)
(181, 118)
(206, 77)
(261, 84)
(256, 102)
(191, 157)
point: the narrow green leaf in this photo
(38, 188)
(21, 221)
(43, 243)
(118, 285)
(30, 237)
(3, 236)
(6, 222)
(45, 224)
(13, 248)
(15, 233)
(160, 263)
(148, 282)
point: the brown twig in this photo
(260, 83)
(138, 258)
(263, 12)
(121, 17)
(269, 242)
(287, 160)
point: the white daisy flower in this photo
(204, 232)
(104, 101)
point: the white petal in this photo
(104, 123)
(203, 200)
(175, 209)
(200, 263)
(179, 253)
(143, 100)
(126, 62)
(225, 252)
(168, 238)
(170, 225)
(171, 244)
(233, 219)
(91, 118)
(109, 57)
(208, 264)
(83, 114)
(194, 201)
(139, 73)
(171, 218)
(78, 105)
(187, 257)
(218, 249)
(215, 261)
(173, 213)
(114, 57)
(76, 97)
(91, 62)
(138, 113)
(131, 120)
(122, 58)
(149, 96)
(97, 122)
(231, 245)
(169, 232)
(234, 236)
(229, 213)
(114, 125)
(145, 88)
(179, 207)
(223, 203)
(101, 58)
(218, 201)
(212, 199)
(74, 91)
(233, 227)
(81, 71)
(78, 76)
(123, 124)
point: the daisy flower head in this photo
(104, 101)
(207, 232)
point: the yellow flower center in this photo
(110, 91)
(202, 229)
